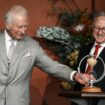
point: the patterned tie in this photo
(89, 68)
(11, 49)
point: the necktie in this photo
(96, 50)
(89, 68)
(11, 49)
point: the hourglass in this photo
(92, 62)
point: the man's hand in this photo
(84, 81)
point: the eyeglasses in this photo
(98, 29)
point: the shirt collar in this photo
(7, 37)
(103, 44)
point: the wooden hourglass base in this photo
(91, 89)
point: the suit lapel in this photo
(102, 55)
(19, 50)
(3, 51)
(18, 54)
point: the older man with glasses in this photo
(99, 39)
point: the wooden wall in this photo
(39, 9)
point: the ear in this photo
(7, 26)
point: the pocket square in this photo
(27, 54)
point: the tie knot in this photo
(96, 50)
(97, 46)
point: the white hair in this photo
(16, 9)
(98, 14)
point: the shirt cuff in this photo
(72, 75)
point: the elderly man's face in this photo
(99, 29)
(19, 26)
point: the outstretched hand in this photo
(84, 81)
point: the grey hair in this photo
(98, 14)
(16, 9)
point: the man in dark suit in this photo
(18, 54)
(99, 39)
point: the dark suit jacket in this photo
(85, 50)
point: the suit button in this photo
(5, 74)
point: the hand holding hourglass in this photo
(94, 76)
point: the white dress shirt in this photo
(8, 41)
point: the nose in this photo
(99, 31)
(23, 30)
